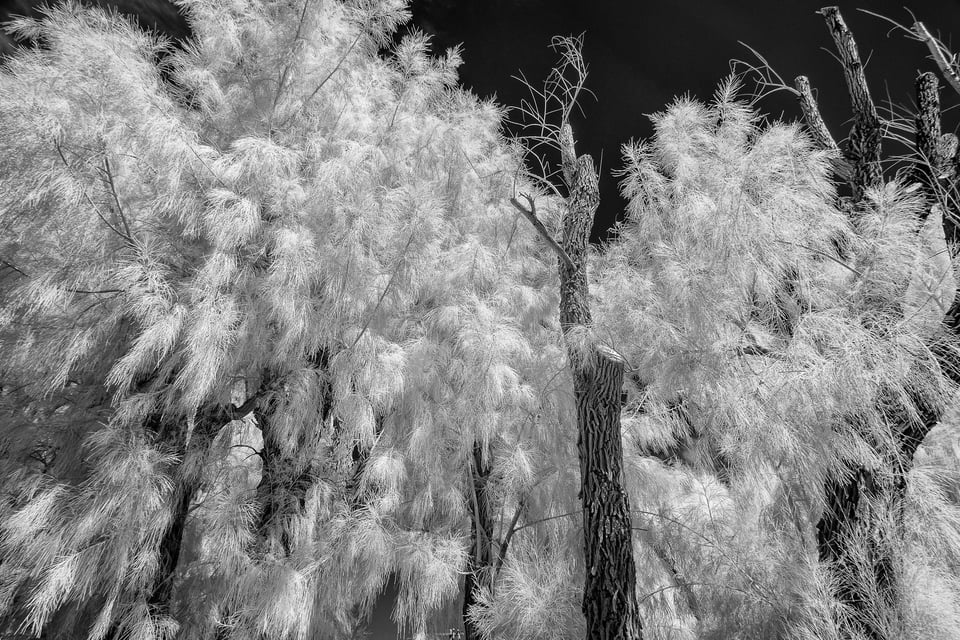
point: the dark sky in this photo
(644, 53)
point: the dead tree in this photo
(609, 594)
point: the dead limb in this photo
(863, 146)
(531, 215)
(941, 55)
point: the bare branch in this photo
(504, 545)
(941, 55)
(10, 265)
(113, 191)
(90, 201)
(531, 215)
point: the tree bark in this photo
(609, 595)
(863, 144)
(480, 563)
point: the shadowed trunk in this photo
(480, 562)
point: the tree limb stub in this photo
(936, 149)
(863, 146)
(818, 128)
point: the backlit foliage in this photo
(323, 236)
(769, 332)
(322, 227)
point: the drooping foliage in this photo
(774, 339)
(255, 343)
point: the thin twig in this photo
(383, 294)
(96, 209)
(116, 198)
(15, 268)
(324, 81)
(502, 551)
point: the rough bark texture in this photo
(480, 562)
(159, 599)
(935, 165)
(852, 536)
(863, 143)
(818, 128)
(857, 537)
(609, 595)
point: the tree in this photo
(609, 595)
(262, 355)
(759, 316)
(865, 502)
(316, 264)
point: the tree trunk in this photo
(480, 563)
(609, 595)
(160, 596)
(857, 537)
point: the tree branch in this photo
(936, 149)
(113, 191)
(531, 215)
(941, 56)
(93, 204)
(502, 551)
(818, 128)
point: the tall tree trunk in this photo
(480, 562)
(609, 595)
(860, 528)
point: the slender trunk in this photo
(480, 563)
(609, 595)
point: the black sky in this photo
(642, 54)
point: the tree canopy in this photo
(274, 334)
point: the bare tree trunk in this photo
(863, 144)
(609, 596)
